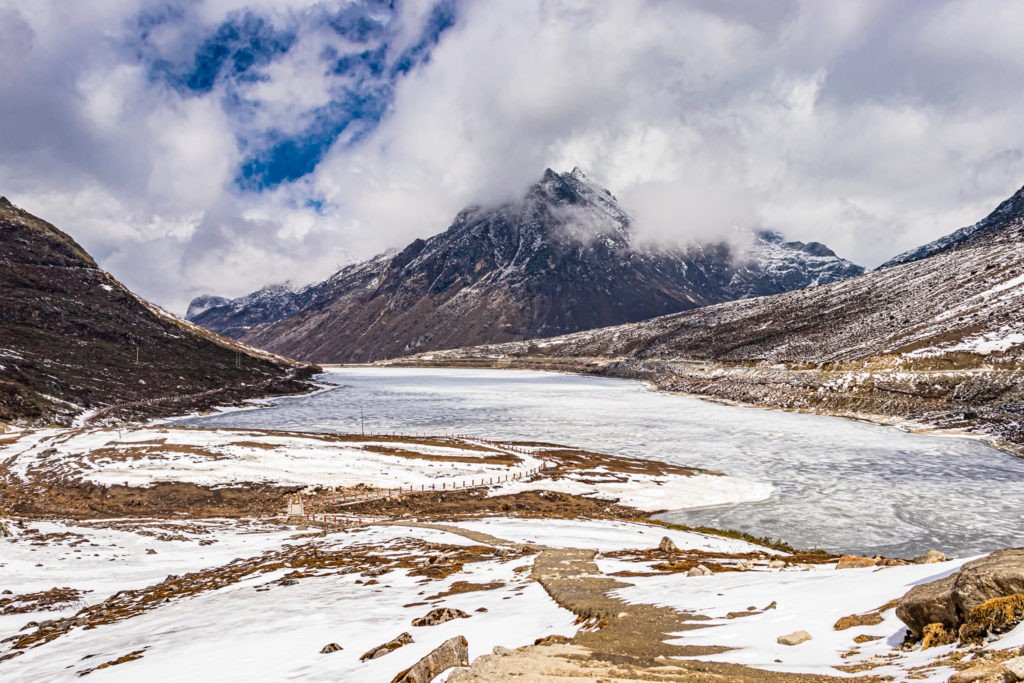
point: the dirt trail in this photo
(619, 641)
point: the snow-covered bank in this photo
(655, 494)
(811, 600)
(143, 456)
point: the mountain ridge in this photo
(560, 259)
(75, 339)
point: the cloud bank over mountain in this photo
(218, 145)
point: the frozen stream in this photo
(839, 484)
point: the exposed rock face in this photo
(439, 616)
(953, 600)
(450, 653)
(561, 259)
(72, 338)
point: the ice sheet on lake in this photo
(838, 484)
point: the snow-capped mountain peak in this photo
(557, 260)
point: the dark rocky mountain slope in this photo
(561, 259)
(70, 334)
(938, 340)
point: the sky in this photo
(216, 146)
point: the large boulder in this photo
(952, 600)
(452, 652)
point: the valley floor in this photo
(166, 554)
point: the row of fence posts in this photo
(363, 496)
(330, 519)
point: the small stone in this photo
(387, 647)
(930, 557)
(776, 564)
(329, 648)
(551, 640)
(439, 616)
(794, 638)
(150, 551)
(855, 562)
(699, 570)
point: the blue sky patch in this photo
(363, 65)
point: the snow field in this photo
(239, 633)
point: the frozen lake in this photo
(839, 484)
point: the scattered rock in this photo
(387, 647)
(481, 609)
(776, 564)
(869, 619)
(374, 571)
(952, 600)
(667, 546)
(865, 638)
(150, 551)
(855, 562)
(794, 638)
(500, 651)
(983, 673)
(450, 653)
(552, 640)
(329, 648)
(439, 615)
(699, 570)
(745, 566)
(930, 557)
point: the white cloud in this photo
(872, 127)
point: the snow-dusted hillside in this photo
(561, 259)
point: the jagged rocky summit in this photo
(73, 338)
(561, 259)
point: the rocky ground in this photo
(548, 573)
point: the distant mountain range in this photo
(561, 259)
(72, 338)
(935, 336)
